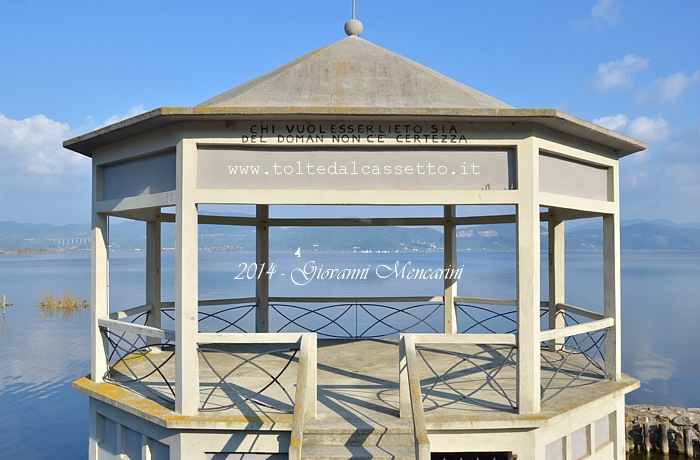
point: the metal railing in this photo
(133, 357)
(234, 358)
(496, 352)
(491, 324)
(577, 356)
(366, 318)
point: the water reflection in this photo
(4, 304)
(647, 364)
(653, 456)
(39, 359)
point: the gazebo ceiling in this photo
(354, 73)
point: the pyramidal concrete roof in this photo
(353, 77)
(353, 72)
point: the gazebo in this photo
(355, 124)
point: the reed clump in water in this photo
(65, 305)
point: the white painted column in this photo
(262, 258)
(186, 282)
(611, 278)
(557, 285)
(312, 384)
(100, 282)
(528, 283)
(95, 431)
(186, 446)
(450, 262)
(618, 430)
(153, 273)
(611, 288)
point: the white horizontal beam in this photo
(577, 203)
(485, 220)
(219, 302)
(569, 331)
(146, 331)
(357, 197)
(486, 301)
(570, 214)
(314, 222)
(227, 220)
(130, 312)
(354, 300)
(463, 339)
(580, 311)
(287, 338)
(129, 203)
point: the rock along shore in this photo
(663, 429)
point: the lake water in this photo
(42, 417)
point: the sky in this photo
(67, 68)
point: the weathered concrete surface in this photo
(351, 78)
(354, 73)
(358, 387)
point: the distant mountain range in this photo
(130, 236)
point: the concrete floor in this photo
(358, 383)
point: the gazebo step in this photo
(326, 452)
(342, 435)
(325, 441)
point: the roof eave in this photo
(163, 116)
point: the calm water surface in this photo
(42, 417)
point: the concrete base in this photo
(358, 411)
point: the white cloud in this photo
(33, 146)
(132, 112)
(643, 128)
(42, 181)
(605, 10)
(669, 89)
(648, 129)
(614, 122)
(617, 74)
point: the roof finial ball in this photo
(353, 27)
